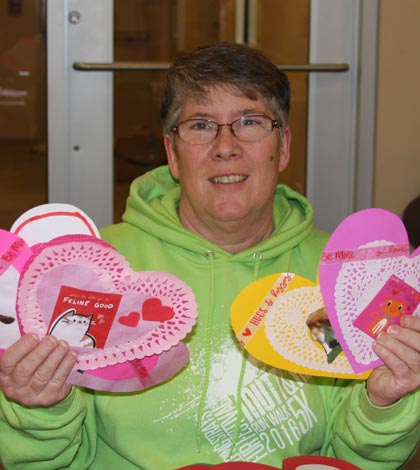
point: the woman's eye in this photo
(249, 122)
(200, 125)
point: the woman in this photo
(216, 218)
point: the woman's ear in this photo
(171, 156)
(285, 149)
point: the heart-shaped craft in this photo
(230, 466)
(14, 252)
(281, 321)
(79, 288)
(317, 462)
(48, 221)
(39, 224)
(135, 375)
(301, 462)
(368, 279)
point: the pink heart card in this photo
(80, 289)
(368, 280)
(281, 320)
(14, 252)
(134, 375)
(42, 224)
(39, 224)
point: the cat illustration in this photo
(394, 307)
(73, 328)
(391, 310)
(322, 332)
(394, 299)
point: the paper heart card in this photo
(317, 462)
(76, 296)
(14, 252)
(281, 320)
(302, 462)
(39, 224)
(80, 289)
(368, 280)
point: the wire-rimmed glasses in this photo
(246, 128)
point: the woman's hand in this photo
(399, 349)
(34, 372)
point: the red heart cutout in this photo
(132, 319)
(247, 332)
(153, 310)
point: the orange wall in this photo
(397, 172)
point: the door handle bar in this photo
(156, 66)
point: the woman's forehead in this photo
(222, 101)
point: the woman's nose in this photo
(226, 145)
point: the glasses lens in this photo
(252, 128)
(197, 131)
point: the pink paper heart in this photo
(36, 225)
(14, 252)
(365, 250)
(81, 272)
(41, 224)
(134, 375)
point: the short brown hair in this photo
(236, 67)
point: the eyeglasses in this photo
(246, 128)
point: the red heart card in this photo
(317, 462)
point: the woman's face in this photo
(227, 185)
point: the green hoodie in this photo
(224, 405)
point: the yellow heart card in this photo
(281, 320)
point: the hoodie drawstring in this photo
(258, 257)
(210, 256)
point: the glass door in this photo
(23, 136)
(107, 60)
(158, 31)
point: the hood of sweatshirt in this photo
(153, 202)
